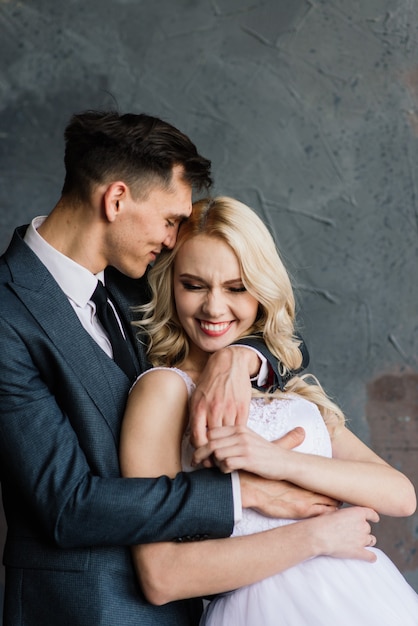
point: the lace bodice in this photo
(271, 420)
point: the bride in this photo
(223, 280)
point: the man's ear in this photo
(113, 199)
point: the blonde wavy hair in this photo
(263, 275)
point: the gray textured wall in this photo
(309, 112)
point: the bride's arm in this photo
(173, 571)
(355, 474)
(153, 425)
(151, 436)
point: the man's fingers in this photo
(199, 421)
(221, 432)
(292, 439)
(198, 434)
(223, 392)
(219, 416)
(308, 504)
(322, 509)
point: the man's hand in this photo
(279, 498)
(223, 392)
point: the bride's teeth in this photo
(214, 327)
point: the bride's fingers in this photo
(223, 436)
(226, 449)
(236, 447)
(223, 449)
(292, 439)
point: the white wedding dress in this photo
(323, 591)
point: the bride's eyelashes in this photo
(191, 286)
(196, 287)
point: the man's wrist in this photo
(254, 359)
(248, 490)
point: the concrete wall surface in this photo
(308, 110)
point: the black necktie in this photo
(107, 317)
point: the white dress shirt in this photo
(77, 282)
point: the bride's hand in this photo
(346, 533)
(261, 464)
(237, 447)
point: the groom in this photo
(71, 517)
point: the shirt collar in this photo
(77, 282)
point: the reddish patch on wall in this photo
(392, 414)
(410, 79)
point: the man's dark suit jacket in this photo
(71, 517)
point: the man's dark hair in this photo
(139, 149)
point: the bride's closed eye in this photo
(191, 286)
(196, 287)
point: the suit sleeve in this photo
(280, 377)
(53, 483)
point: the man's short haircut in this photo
(141, 150)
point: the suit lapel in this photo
(48, 305)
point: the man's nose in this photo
(170, 240)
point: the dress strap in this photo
(188, 381)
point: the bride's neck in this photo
(194, 364)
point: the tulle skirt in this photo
(321, 592)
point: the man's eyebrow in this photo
(179, 217)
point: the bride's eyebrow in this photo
(191, 276)
(231, 281)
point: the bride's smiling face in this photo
(212, 303)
